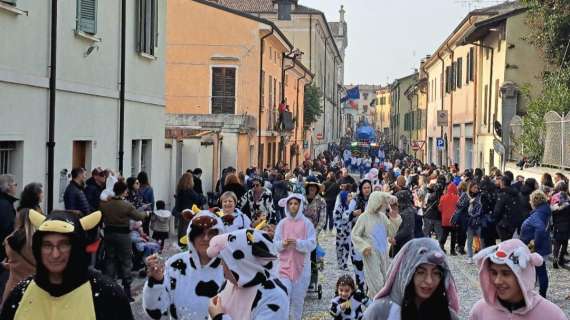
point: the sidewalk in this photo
(533, 172)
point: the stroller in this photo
(317, 264)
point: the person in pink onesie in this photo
(295, 238)
(507, 276)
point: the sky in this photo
(388, 38)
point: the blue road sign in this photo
(440, 143)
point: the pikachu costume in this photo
(83, 294)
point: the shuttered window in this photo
(12, 2)
(223, 90)
(147, 26)
(87, 16)
(471, 64)
(459, 72)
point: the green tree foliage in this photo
(550, 24)
(313, 106)
(549, 21)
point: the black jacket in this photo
(7, 217)
(236, 188)
(75, 199)
(198, 185)
(332, 189)
(508, 210)
(93, 193)
(186, 199)
(432, 207)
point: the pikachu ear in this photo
(36, 218)
(220, 213)
(195, 209)
(91, 221)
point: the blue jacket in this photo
(535, 228)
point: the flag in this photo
(351, 94)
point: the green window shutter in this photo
(87, 16)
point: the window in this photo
(447, 80)
(7, 150)
(270, 104)
(497, 88)
(147, 32)
(262, 98)
(485, 115)
(453, 75)
(459, 77)
(223, 90)
(87, 16)
(471, 64)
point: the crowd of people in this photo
(250, 248)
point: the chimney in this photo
(342, 23)
(342, 12)
(284, 8)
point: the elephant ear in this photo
(36, 218)
(91, 221)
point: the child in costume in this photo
(295, 238)
(252, 289)
(349, 303)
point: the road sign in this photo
(440, 144)
(442, 117)
(418, 145)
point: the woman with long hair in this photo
(133, 193)
(419, 285)
(20, 258)
(147, 194)
(233, 184)
(185, 198)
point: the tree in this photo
(313, 107)
(550, 25)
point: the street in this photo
(465, 277)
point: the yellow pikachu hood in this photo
(74, 227)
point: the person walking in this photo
(117, 213)
(535, 229)
(332, 189)
(507, 213)
(447, 206)
(20, 261)
(8, 190)
(185, 199)
(147, 194)
(74, 197)
(94, 186)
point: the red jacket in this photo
(447, 204)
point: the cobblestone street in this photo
(465, 276)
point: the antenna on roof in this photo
(478, 4)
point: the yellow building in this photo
(482, 57)
(383, 107)
(227, 72)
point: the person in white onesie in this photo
(295, 238)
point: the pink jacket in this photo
(518, 257)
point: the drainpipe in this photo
(122, 86)
(335, 100)
(52, 92)
(297, 111)
(442, 95)
(311, 42)
(450, 120)
(282, 155)
(427, 102)
(325, 93)
(261, 51)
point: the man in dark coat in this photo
(197, 173)
(508, 209)
(8, 187)
(94, 186)
(74, 198)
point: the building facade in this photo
(363, 109)
(482, 57)
(401, 106)
(87, 107)
(310, 32)
(383, 107)
(225, 81)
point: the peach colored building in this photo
(226, 73)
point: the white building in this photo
(87, 92)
